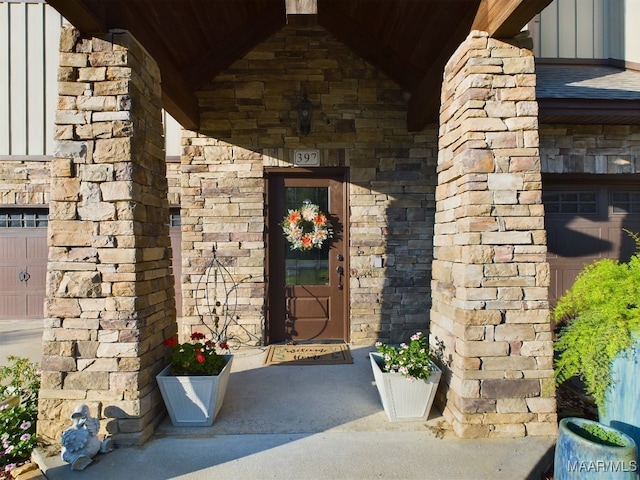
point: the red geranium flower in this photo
(171, 342)
(195, 357)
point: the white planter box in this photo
(194, 401)
(402, 399)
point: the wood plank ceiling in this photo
(194, 40)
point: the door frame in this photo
(341, 174)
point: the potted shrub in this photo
(587, 449)
(406, 378)
(195, 381)
(599, 340)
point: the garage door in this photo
(584, 223)
(23, 263)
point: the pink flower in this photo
(24, 437)
(25, 425)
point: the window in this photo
(582, 202)
(174, 218)
(625, 202)
(10, 218)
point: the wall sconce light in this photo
(305, 111)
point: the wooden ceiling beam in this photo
(505, 18)
(235, 46)
(345, 28)
(424, 105)
(82, 16)
(182, 105)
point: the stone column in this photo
(490, 276)
(110, 299)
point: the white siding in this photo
(632, 31)
(588, 29)
(29, 39)
(172, 136)
(30, 33)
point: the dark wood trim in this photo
(307, 172)
(572, 61)
(590, 111)
(559, 179)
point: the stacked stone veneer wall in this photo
(24, 182)
(490, 277)
(248, 124)
(110, 290)
(599, 149)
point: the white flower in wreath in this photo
(307, 227)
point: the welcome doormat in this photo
(308, 354)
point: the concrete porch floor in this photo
(312, 422)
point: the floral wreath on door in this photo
(307, 227)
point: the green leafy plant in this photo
(602, 314)
(196, 357)
(413, 360)
(595, 433)
(18, 422)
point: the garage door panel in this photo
(10, 278)
(12, 247)
(23, 266)
(12, 306)
(35, 306)
(36, 248)
(575, 240)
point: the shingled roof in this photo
(588, 94)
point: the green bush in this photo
(602, 311)
(18, 423)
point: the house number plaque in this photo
(307, 157)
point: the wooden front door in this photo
(308, 290)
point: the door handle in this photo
(340, 271)
(24, 276)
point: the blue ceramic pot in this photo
(581, 458)
(621, 410)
